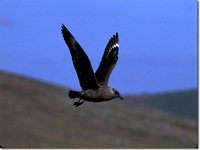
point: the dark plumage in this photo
(95, 86)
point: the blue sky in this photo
(158, 40)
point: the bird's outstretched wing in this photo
(81, 62)
(108, 61)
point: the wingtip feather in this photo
(63, 27)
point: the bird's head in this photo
(117, 94)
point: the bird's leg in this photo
(80, 102)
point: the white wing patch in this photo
(114, 46)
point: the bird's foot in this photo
(80, 102)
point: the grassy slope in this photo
(183, 103)
(40, 115)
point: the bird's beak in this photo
(121, 97)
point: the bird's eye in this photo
(116, 92)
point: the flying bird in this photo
(94, 85)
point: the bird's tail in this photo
(74, 94)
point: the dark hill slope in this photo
(34, 114)
(184, 103)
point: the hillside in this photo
(183, 103)
(34, 114)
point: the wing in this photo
(108, 61)
(81, 62)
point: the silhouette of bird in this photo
(94, 85)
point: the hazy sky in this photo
(158, 40)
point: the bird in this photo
(94, 85)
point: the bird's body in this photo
(94, 85)
(103, 93)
